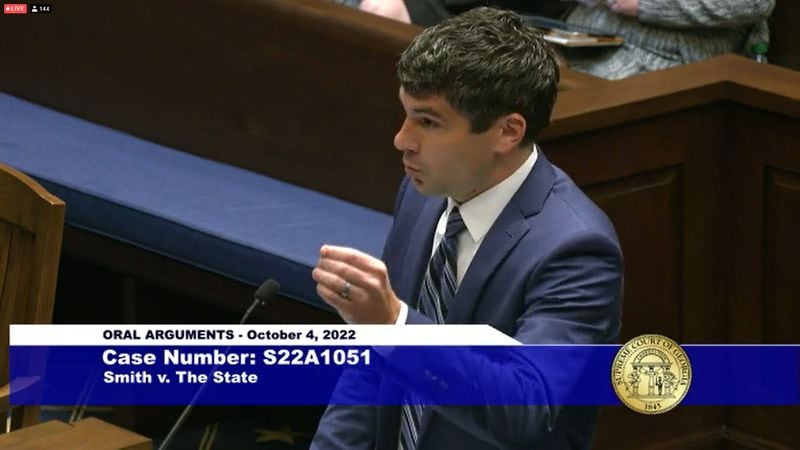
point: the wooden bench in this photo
(224, 220)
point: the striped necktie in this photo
(438, 289)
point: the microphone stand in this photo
(264, 293)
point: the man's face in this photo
(440, 154)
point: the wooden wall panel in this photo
(773, 427)
(759, 162)
(687, 145)
(622, 151)
(680, 429)
(711, 183)
(647, 212)
(743, 162)
(762, 289)
(781, 253)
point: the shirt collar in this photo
(480, 213)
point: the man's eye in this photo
(427, 123)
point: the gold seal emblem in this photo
(651, 374)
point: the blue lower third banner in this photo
(446, 375)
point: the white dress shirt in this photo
(479, 214)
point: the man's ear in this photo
(511, 129)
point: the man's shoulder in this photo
(568, 211)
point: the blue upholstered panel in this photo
(230, 221)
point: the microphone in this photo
(264, 294)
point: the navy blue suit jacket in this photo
(548, 271)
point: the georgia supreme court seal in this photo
(651, 374)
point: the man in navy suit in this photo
(486, 231)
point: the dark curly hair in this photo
(486, 62)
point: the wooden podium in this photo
(89, 433)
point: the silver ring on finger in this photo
(345, 292)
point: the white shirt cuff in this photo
(402, 317)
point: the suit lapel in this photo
(501, 238)
(420, 246)
(511, 225)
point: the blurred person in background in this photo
(658, 33)
(665, 33)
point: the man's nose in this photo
(404, 140)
